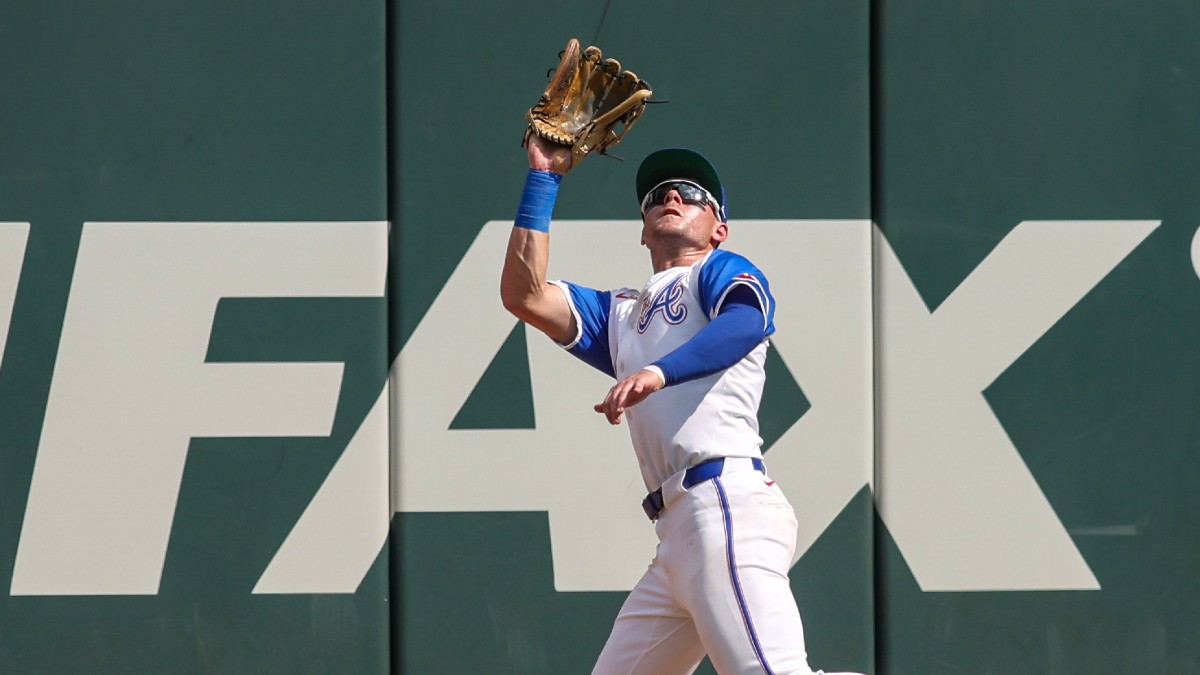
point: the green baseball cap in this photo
(682, 163)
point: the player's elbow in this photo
(511, 303)
(518, 302)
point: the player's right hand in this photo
(628, 393)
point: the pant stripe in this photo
(733, 577)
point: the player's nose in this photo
(673, 196)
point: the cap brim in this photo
(678, 163)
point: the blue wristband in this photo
(537, 200)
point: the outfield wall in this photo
(250, 427)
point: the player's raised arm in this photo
(523, 287)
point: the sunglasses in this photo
(689, 192)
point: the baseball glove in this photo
(589, 104)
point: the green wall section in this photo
(194, 111)
(995, 113)
(777, 97)
(946, 124)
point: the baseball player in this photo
(688, 352)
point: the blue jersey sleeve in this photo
(591, 309)
(727, 339)
(724, 271)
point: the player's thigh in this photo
(752, 626)
(643, 645)
(652, 634)
(742, 605)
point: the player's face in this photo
(674, 211)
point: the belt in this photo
(653, 503)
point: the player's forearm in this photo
(727, 339)
(523, 281)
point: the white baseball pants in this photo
(717, 585)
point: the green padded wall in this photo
(246, 425)
(186, 117)
(516, 503)
(994, 114)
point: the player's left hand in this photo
(628, 393)
(547, 156)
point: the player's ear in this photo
(720, 234)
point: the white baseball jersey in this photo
(622, 331)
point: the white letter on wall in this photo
(13, 237)
(131, 386)
(955, 494)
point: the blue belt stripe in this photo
(653, 503)
(733, 576)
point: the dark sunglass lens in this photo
(690, 193)
(659, 195)
(687, 192)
